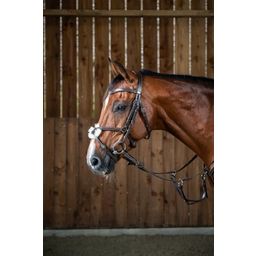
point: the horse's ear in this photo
(118, 69)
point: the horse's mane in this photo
(205, 81)
(188, 78)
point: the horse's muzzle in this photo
(100, 163)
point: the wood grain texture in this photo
(89, 204)
(69, 62)
(48, 175)
(210, 42)
(101, 61)
(52, 67)
(85, 63)
(60, 173)
(72, 167)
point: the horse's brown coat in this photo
(183, 107)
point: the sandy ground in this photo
(197, 245)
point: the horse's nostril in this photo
(95, 161)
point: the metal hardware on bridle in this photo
(118, 149)
(178, 182)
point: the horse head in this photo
(124, 119)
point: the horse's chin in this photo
(110, 168)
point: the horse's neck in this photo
(186, 111)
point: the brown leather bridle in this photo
(119, 148)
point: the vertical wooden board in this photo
(85, 62)
(133, 63)
(86, 215)
(60, 173)
(157, 186)
(101, 77)
(195, 210)
(120, 194)
(170, 204)
(52, 4)
(71, 171)
(210, 42)
(197, 69)
(182, 67)
(205, 216)
(117, 33)
(48, 176)
(166, 66)
(96, 202)
(166, 39)
(69, 61)
(89, 202)
(90, 186)
(101, 58)
(52, 67)
(145, 181)
(155, 215)
(197, 40)
(210, 213)
(117, 53)
(133, 199)
(181, 157)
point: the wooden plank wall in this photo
(52, 55)
(77, 74)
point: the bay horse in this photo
(137, 103)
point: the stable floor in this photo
(198, 245)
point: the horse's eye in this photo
(120, 107)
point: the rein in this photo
(118, 149)
(178, 182)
